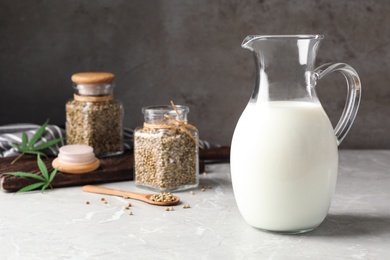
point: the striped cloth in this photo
(12, 134)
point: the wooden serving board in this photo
(118, 168)
(112, 169)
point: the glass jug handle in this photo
(353, 95)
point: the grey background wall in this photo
(189, 52)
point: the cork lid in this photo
(93, 78)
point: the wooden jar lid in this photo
(93, 78)
(76, 159)
(76, 168)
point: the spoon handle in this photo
(108, 191)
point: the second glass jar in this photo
(166, 150)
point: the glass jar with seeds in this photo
(166, 150)
(94, 117)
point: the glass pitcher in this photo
(284, 157)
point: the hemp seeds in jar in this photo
(94, 117)
(166, 150)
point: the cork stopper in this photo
(93, 78)
(93, 83)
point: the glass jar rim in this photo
(165, 109)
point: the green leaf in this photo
(45, 186)
(28, 146)
(24, 141)
(42, 168)
(46, 144)
(38, 134)
(34, 152)
(31, 187)
(26, 174)
(45, 179)
(53, 174)
(17, 147)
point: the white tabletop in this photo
(58, 224)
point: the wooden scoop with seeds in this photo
(162, 199)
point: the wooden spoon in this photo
(132, 195)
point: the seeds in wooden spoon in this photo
(163, 197)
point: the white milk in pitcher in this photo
(284, 165)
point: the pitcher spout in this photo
(247, 43)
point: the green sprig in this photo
(44, 180)
(28, 147)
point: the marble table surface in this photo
(58, 224)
